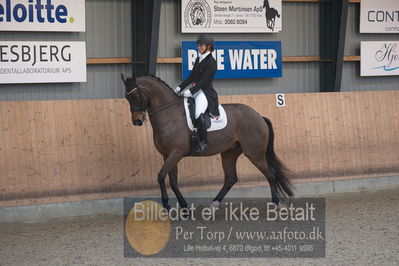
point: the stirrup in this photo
(201, 147)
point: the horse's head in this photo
(137, 100)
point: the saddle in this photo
(212, 123)
(191, 109)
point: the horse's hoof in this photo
(214, 204)
(281, 206)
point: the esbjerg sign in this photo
(42, 15)
(379, 58)
(42, 62)
(231, 16)
(379, 16)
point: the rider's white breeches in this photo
(201, 103)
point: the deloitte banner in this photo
(42, 15)
(239, 59)
(380, 16)
(231, 16)
(42, 62)
(379, 58)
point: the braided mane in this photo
(162, 81)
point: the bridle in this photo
(145, 107)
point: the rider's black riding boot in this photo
(201, 127)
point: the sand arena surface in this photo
(362, 229)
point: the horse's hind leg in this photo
(175, 187)
(229, 162)
(259, 160)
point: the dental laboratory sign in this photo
(42, 62)
(42, 15)
(231, 16)
(240, 59)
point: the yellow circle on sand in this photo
(145, 231)
(71, 19)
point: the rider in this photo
(202, 89)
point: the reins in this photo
(145, 108)
(163, 107)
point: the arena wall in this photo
(72, 150)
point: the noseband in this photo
(144, 107)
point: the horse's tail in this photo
(278, 15)
(284, 186)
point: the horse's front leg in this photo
(171, 160)
(175, 187)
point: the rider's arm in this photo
(207, 77)
(188, 80)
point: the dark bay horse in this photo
(246, 132)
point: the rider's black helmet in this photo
(205, 39)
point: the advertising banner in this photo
(240, 59)
(42, 15)
(231, 16)
(42, 62)
(380, 16)
(380, 58)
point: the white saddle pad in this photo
(216, 123)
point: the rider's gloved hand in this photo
(177, 89)
(187, 93)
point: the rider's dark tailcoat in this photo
(202, 76)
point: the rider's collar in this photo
(202, 56)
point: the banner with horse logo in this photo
(231, 16)
(241, 59)
(380, 58)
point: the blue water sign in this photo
(239, 59)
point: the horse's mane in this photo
(161, 80)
